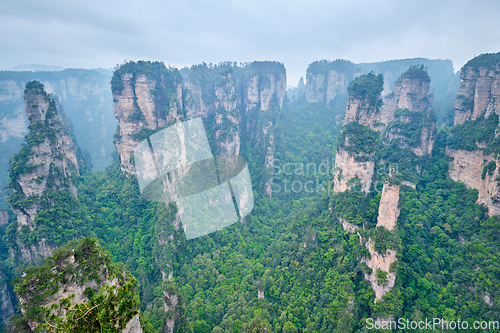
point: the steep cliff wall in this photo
(45, 166)
(264, 91)
(474, 142)
(380, 262)
(239, 104)
(347, 168)
(214, 94)
(87, 102)
(469, 167)
(388, 213)
(388, 210)
(80, 279)
(327, 80)
(235, 103)
(7, 299)
(357, 141)
(479, 89)
(146, 97)
(407, 112)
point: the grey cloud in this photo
(102, 34)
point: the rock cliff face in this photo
(479, 89)
(236, 104)
(408, 109)
(245, 102)
(351, 168)
(388, 213)
(327, 80)
(214, 94)
(477, 108)
(354, 158)
(264, 91)
(48, 162)
(381, 262)
(388, 210)
(468, 168)
(144, 103)
(76, 272)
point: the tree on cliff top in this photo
(367, 87)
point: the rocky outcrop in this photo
(468, 167)
(479, 89)
(262, 87)
(408, 110)
(388, 214)
(381, 262)
(365, 120)
(227, 117)
(361, 112)
(143, 102)
(76, 272)
(4, 217)
(48, 162)
(354, 158)
(87, 101)
(236, 104)
(475, 160)
(327, 80)
(264, 92)
(412, 91)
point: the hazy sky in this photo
(89, 34)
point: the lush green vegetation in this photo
(416, 72)
(489, 169)
(107, 309)
(325, 66)
(480, 130)
(407, 126)
(360, 140)
(486, 60)
(368, 88)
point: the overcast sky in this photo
(90, 34)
